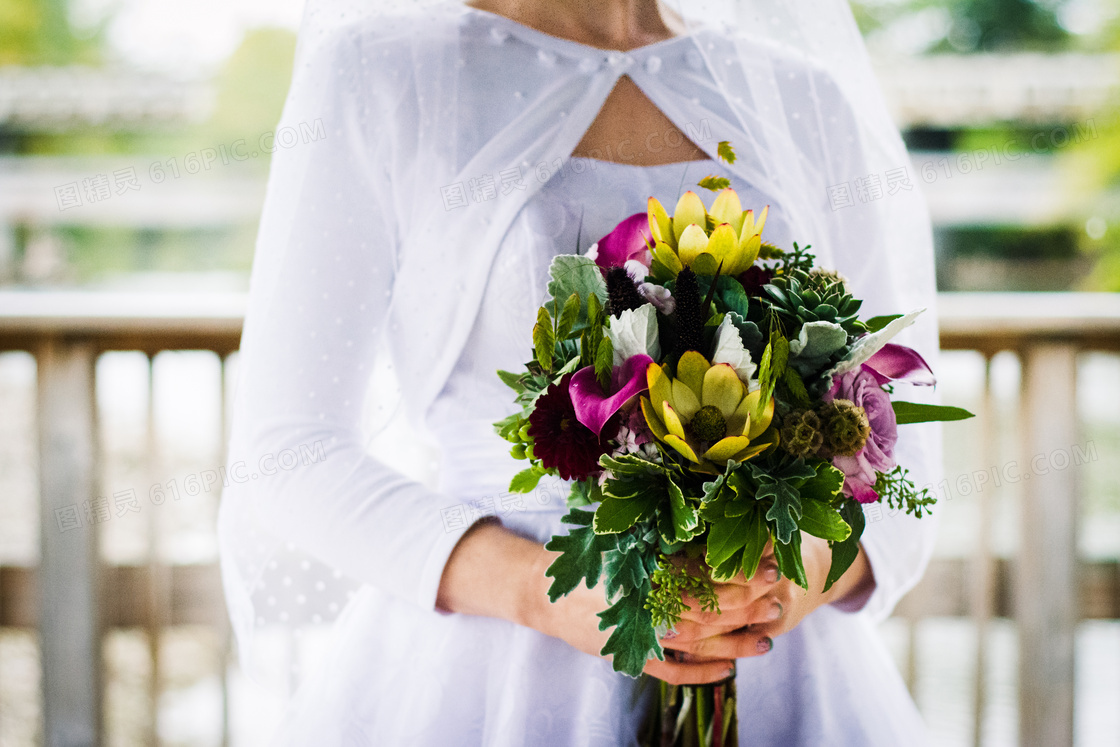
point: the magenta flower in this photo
(892, 362)
(630, 240)
(862, 388)
(593, 407)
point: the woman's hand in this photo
(496, 573)
(574, 619)
(752, 613)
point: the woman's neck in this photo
(609, 24)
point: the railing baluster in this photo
(1047, 579)
(157, 587)
(226, 629)
(983, 571)
(69, 577)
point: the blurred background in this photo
(134, 146)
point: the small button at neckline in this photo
(619, 60)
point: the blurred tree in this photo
(40, 32)
(253, 85)
(1092, 169)
(975, 25)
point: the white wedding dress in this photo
(397, 672)
(400, 675)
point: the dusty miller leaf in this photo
(581, 555)
(634, 639)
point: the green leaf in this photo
(630, 465)
(625, 571)
(604, 360)
(634, 639)
(913, 412)
(844, 553)
(876, 323)
(580, 494)
(543, 340)
(595, 311)
(824, 521)
(824, 486)
(714, 183)
(685, 521)
(512, 380)
(727, 537)
(568, 317)
(725, 151)
(786, 509)
(615, 515)
(772, 368)
(796, 388)
(788, 556)
(525, 480)
(758, 535)
(581, 555)
(574, 273)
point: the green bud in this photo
(518, 451)
(801, 433)
(846, 427)
(708, 424)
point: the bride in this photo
(465, 146)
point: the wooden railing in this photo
(72, 598)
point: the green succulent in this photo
(799, 297)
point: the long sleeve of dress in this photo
(319, 300)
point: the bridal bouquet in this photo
(706, 393)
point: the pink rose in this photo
(877, 455)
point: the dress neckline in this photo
(580, 48)
(598, 162)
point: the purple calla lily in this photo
(894, 362)
(593, 407)
(629, 240)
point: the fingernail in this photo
(770, 575)
(775, 611)
(670, 634)
(764, 645)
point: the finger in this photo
(766, 573)
(688, 631)
(690, 673)
(734, 645)
(766, 610)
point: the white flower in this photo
(635, 269)
(634, 332)
(659, 296)
(627, 442)
(729, 349)
(869, 345)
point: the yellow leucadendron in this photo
(705, 412)
(684, 240)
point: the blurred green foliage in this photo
(39, 32)
(977, 25)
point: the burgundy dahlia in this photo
(560, 441)
(754, 278)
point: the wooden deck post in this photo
(68, 579)
(1046, 579)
